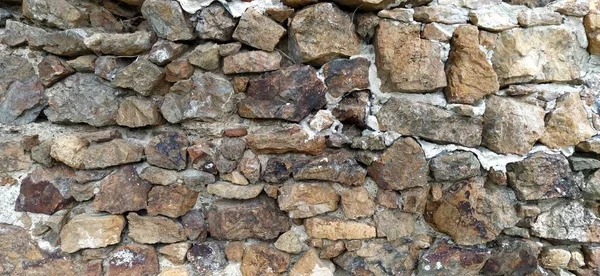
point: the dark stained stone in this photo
(258, 218)
(258, 258)
(343, 75)
(122, 191)
(82, 98)
(194, 225)
(401, 166)
(454, 166)
(167, 19)
(276, 170)
(168, 150)
(541, 176)
(393, 258)
(352, 109)
(512, 256)
(172, 201)
(432, 123)
(443, 258)
(289, 94)
(207, 257)
(132, 259)
(52, 69)
(232, 148)
(45, 190)
(338, 167)
(107, 67)
(215, 23)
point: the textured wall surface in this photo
(352, 137)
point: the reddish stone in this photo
(122, 191)
(45, 190)
(235, 132)
(172, 201)
(178, 70)
(52, 69)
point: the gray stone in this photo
(454, 166)
(165, 51)
(251, 62)
(205, 56)
(56, 13)
(120, 44)
(168, 150)
(142, 76)
(580, 163)
(496, 18)
(440, 14)
(567, 222)
(167, 19)
(258, 30)
(539, 17)
(215, 23)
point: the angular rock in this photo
(138, 112)
(107, 67)
(567, 222)
(541, 176)
(323, 119)
(443, 258)
(159, 176)
(338, 229)
(311, 264)
(289, 242)
(175, 252)
(280, 14)
(356, 203)
(439, 32)
(251, 62)
(70, 150)
(366, 24)
(206, 56)
(365, 5)
(194, 225)
(122, 191)
(233, 191)
(178, 70)
(298, 3)
(277, 170)
(142, 76)
(215, 23)
(165, 51)
(320, 33)
(342, 76)
(229, 48)
(17, 249)
(130, 44)
(45, 191)
(496, 18)
(238, 220)
(151, 230)
(590, 145)
(352, 109)
(339, 167)
(372, 257)
(579, 163)
(470, 75)
(539, 17)
(167, 19)
(394, 224)
(440, 14)
(591, 22)
(554, 258)
(172, 201)
(454, 166)
(22, 101)
(204, 97)
(577, 8)
(258, 30)
(56, 13)
(471, 213)
(511, 126)
(568, 124)
(405, 62)
(207, 257)
(52, 69)
(82, 98)
(113, 153)
(512, 256)
(401, 166)
(168, 150)
(289, 94)
(514, 67)
(259, 258)
(398, 14)
(132, 259)
(303, 200)
(91, 231)
(290, 139)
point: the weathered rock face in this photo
(13, 157)
(251, 62)
(168, 150)
(303, 200)
(291, 139)
(320, 33)
(207, 257)
(151, 230)
(122, 191)
(342, 76)
(543, 175)
(289, 94)
(567, 222)
(60, 13)
(112, 153)
(567, 125)
(356, 203)
(592, 28)
(336, 229)
(204, 97)
(255, 218)
(168, 20)
(45, 190)
(82, 98)
(339, 167)
(233, 191)
(454, 166)
(215, 23)
(470, 75)
(471, 213)
(138, 112)
(432, 123)
(52, 69)
(141, 76)
(172, 201)
(496, 18)
(91, 231)
(258, 30)
(452, 259)
(514, 67)
(405, 62)
(132, 259)
(394, 224)
(401, 166)
(259, 258)
(120, 44)
(513, 256)
(21, 92)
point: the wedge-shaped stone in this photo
(167, 19)
(401, 166)
(567, 124)
(233, 191)
(258, 30)
(122, 191)
(339, 167)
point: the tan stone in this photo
(69, 150)
(233, 191)
(470, 76)
(567, 125)
(554, 258)
(292, 139)
(401, 166)
(261, 259)
(175, 252)
(387, 198)
(151, 230)
(234, 251)
(112, 153)
(310, 264)
(302, 200)
(235, 177)
(591, 22)
(336, 229)
(289, 242)
(356, 203)
(177, 271)
(91, 231)
(172, 201)
(394, 224)
(258, 30)
(138, 112)
(159, 176)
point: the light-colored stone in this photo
(568, 222)
(233, 191)
(441, 14)
(151, 230)
(302, 200)
(399, 14)
(91, 231)
(69, 149)
(554, 258)
(567, 124)
(394, 224)
(591, 22)
(539, 17)
(496, 18)
(175, 252)
(289, 242)
(167, 19)
(258, 30)
(311, 264)
(336, 229)
(356, 203)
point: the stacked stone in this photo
(181, 137)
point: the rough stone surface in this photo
(335, 229)
(207, 257)
(259, 258)
(568, 124)
(321, 33)
(91, 231)
(44, 191)
(13, 157)
(132, 259)
(206, 56)
(394, 224)
(251, 62)
(440, 14)
(339, 167)
(592, 27)
(258, 30)
(138, 112)
(167, 150)
(167, 19)
(172, 201)
(122, 191)
(496, 18)
(356, 203)
(567, 222)
(141, 76)
(112, 153)
(401, 166)
(452, 259)
(233, 191)
(311, 264)
(405, 62)
(120, 44)
(151, 230)
(513, 256)
(303, 200)
(539, 17)
(291, 139)
(342, 76)
(215, 23)
(454, 166)
(56, 13)
(52, 69)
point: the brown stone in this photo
(279, 14)
(91, 231)
(13, 157)
(567, 124)
(175, 252)
(257, 30)
(255, 218)
(138, 112)
(142, 76)
(405, 62)
(414, 199)
(167, 150)
(70, 150)
(591, 22)
(83, 64)
(289, 94)
(443, 258)
(471, 213)
(332, 250)
(17, 249)
(251, 62)
(205, 56)
(259, 258)
(311, 264)
(512, 256)
(336, 229)
(45, 190)
(167, 19)
(58, 13)
(454, 166)
(194, 225)
(387, 198)
(394, 224)
(470, 76)
(356, 203)
(401, 166)
(338, 167)
(178, 70)
(172, 201)
(302, 200)
(352, 109)
(132, 260)
(112, 153)
(342, 76)
(122, 191)
(215, 23)
(151, 230)
(291, 139)
(52, 69)
(234, 251)
(320, 33)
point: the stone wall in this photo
(353, 137)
